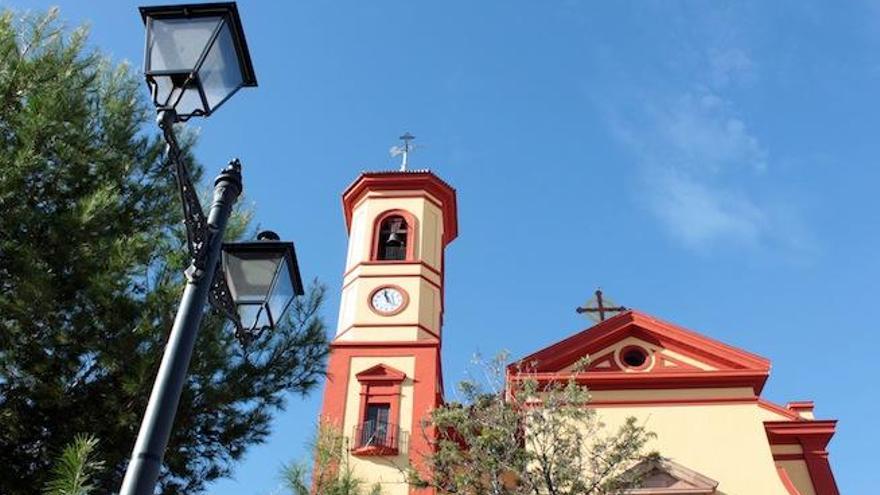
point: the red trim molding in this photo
(605, 358)
(776, 408)
(387, 325)
(734, 367)
(379, 385)
(788, 457)
(384, 344)
(406, 181)
(648, 328)
(817, 432)
(679, 365)
(708, 401)
(396, 275)
(803, 408)
(649, 357)
(426, 383)
(390, 262)
(622, 380)
(813, 437)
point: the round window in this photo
(634, 357)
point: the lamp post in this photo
(196, 58)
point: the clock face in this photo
(388, 300)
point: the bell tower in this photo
(384, 371)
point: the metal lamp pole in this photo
(205, 236)
(187, 47)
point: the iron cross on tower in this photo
(596, 307)
(403, 150)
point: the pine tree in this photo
(329, 471)
(74, 468)
(91, 256)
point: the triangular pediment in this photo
(381, 373)
(665, 477)
(636, 344)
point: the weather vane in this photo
(598, 308)
(403, 150)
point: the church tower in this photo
(384, 371)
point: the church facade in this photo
(702, 398)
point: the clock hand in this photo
(385, 293)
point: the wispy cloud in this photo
(730, 65)
(702, 168)
(700, 132)
(699, 214)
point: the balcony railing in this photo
(376, 438)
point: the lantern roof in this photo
(227, 10)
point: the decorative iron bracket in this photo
(198, 232)
(221, 300)
(194, 220)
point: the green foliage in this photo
(74, 469)
(91, 260)
(329, 471)
(526, 436)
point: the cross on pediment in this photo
(599, 309)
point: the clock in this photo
(388, 300)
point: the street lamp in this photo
(196, 58)
(263, 278)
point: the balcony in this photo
(372, 438)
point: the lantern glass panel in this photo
(250, 275)
(282, 293)
(163, 89)
(176, 45)
(254, 316)
(220, 73)
(185, 101)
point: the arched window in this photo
(393, 236)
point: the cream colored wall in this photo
(768, 415)
(384, 470)
(787, 448)
(421, 283)
(428, 241)
(745, 393)
(396, 269)
(724, 442)
(799, 475)
(423, 308)
(796, 469)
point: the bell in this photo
(394, 239)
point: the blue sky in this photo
(712, 163)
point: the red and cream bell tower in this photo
(384, 372)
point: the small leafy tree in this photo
(522, 435)
(329, 472)
(74, 470)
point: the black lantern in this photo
(196, 57)
(263, 278)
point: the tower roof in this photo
(438, 191)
